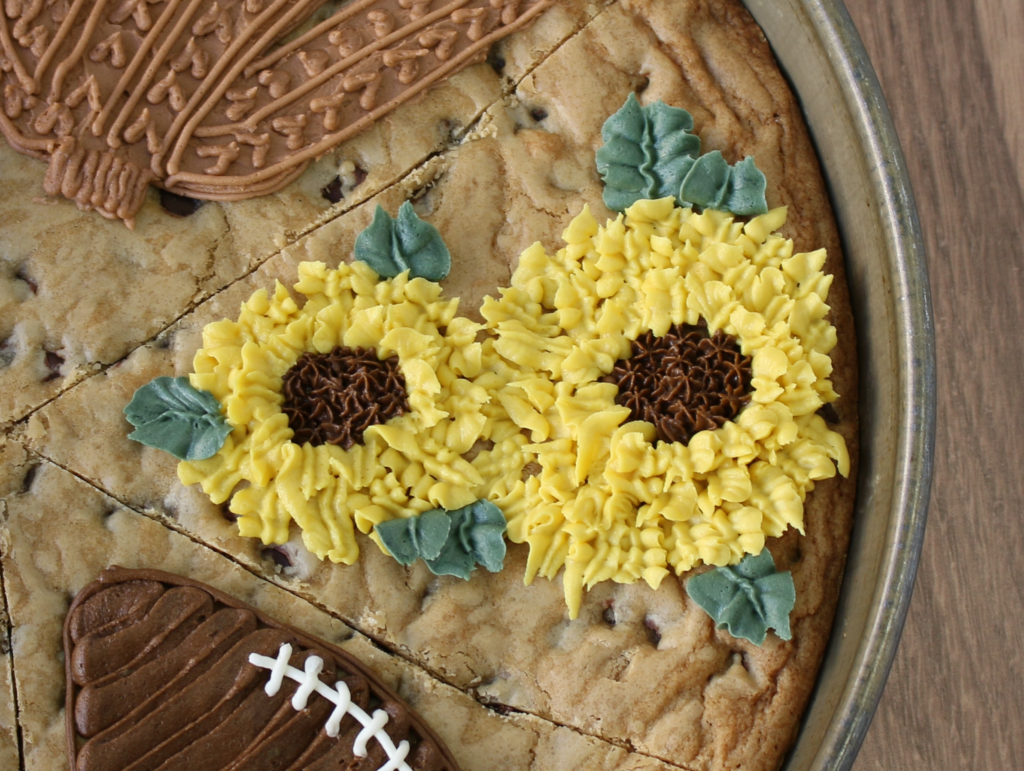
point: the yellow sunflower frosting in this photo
(524, 416)
(406, 466)
(712, 329)
(609, 501)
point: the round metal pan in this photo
(821, 53)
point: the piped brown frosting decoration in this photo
(331, 398)
(683, 382)
(193, 95)
(158, 677)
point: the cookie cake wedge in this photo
(605, 516)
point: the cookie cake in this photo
(413, 385)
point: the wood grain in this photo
(952, 73)
(1002, 35)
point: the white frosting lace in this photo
(309, 681)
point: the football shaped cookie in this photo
(166, 673)
(217, 102)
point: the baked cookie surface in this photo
(642, 679)
(61, 322)
(42, 571)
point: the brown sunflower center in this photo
(331, 398)
(684, 381)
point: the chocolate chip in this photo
(653, 633)
(538, 114)
(53, 363)
(828, 414)
(22, 275)
(7, 352)
(425, 202)
(361, 175)
(278, 555)
(332, 191)
(179, 205)
(608, 614)
(501, 709)
(170, 510)
(29, 478)
(428, 591)
(496, 61)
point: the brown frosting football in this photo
(160, 675)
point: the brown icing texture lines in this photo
(161, 675)
(683, 382)
(331, 398)
(193, 95)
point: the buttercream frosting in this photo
(649, 152)
(404, 243)
(451, 543)
(332, 398)
(206, 98)
(165, 672)
(171, 415)
(747, 599)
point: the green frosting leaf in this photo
(711, 183)
(477, 537)
(650, 152)
(452, 543)
(392, 246)
(647, 153)
(415, 537)
(171, 415)
(747, 599)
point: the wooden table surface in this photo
(953, 74)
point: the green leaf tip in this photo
(712, 183)
(647, 153)
(650, 152)
(420, 536)
(747, 599)
(405, 243)
(170, 415)
(451, 543)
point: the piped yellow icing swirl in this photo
(406, 466)
(609, 501)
